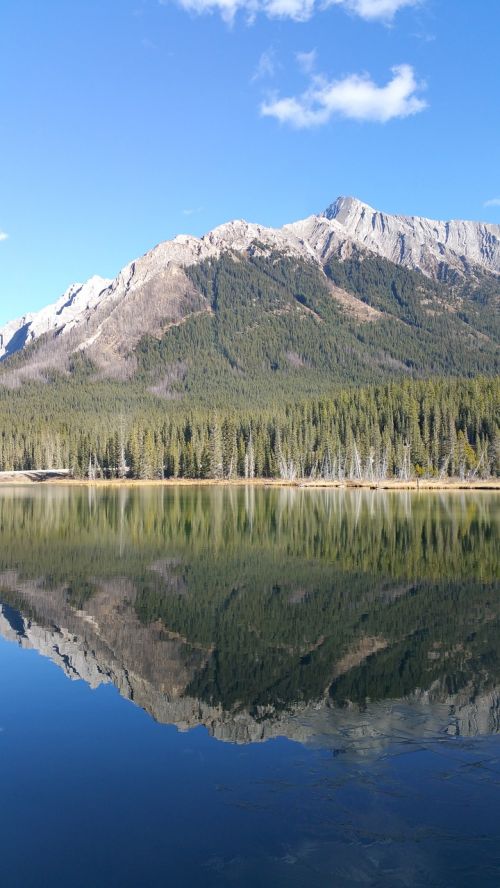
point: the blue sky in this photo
(125, 122)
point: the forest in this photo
(415, 428)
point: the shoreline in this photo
(21, 479)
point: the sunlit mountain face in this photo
(351, 294)
(338, 618)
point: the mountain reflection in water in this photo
(345, 619)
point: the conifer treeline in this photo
(413, 428)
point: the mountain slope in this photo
(352, 294)
(278, 325)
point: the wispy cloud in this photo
(192, 211)
(373, 10)
(306, 61)
(266, 66)
(296, 10)
(492, 202)
(355, 97)
(425, 36)
(3, 235)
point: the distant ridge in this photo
(457, 264)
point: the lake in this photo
(240, 686)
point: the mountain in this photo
(351, 294)
(157, 277)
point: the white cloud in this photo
(192, 211)
(493, 202)
(306, 61)
(3, 235)
(266, 66)
(227, 8)
(371, 10)
(297, 10)
(356, 97)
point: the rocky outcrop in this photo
(440, 250)
(33, 477)
(70, 310)
(427, 245)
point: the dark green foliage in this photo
(416, 427)
(429, 327)
(275, 328)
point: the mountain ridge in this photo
(247, 309)
(461, 242)
(437, 249)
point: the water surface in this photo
(240, 686)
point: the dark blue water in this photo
(257, 780)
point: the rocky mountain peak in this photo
(344, 209)
(153, 291)
(431, 246)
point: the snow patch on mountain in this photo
(64, 314)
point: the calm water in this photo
(240, 687)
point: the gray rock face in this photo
(65, 314)
(424, 244)
(107, 318)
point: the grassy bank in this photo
(29, 478)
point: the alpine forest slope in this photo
(185, 363)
